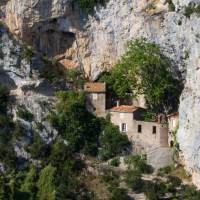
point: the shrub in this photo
(111, 179)
(27, 53)
(112, 142)
(173, 183)
(171, 6)
(115, 162)
(138, 162)
(4, 96)
(191, 8)
(25, 114)
(119, 194)
(154, 190)
(189, 193)
(89, 4)
(164, 170)
(46, 184)
(38, 149)
(133, 180)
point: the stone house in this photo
(173, 121)
(142, 134)
(96, 98)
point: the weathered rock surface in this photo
(60, 29)
(22, 76)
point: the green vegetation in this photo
(115, 162)
(138, 163)
(133, 180)
(83, 131)
(112, 142)
(119, 193)
(165, 170)
(89, 4)
(171, 6)
(192, 8)
(143, 69)
(76, 78)
(46, 183)
(25, 114)
(27, 53)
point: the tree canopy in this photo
(144, 70)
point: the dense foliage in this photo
(57, 174)
(89, 4)
(83, 131)
(144, 70)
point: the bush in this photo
(133, 180)
(89, 4)
(189, 193)
(154, 190)
(171, 6)
(173, 183)
(138, 162)
(119, 194)
(27, 53)
(111, 179)
(191, 8)
(38, 149)
(25, 114)
(115, 162)
(164, 170)
(112, 142)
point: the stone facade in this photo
(142, 134)
(173, 122)
(96, 98)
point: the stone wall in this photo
(146, 138)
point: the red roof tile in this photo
(95, 87)
(175, 114)
(124, 108)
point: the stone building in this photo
(96, 98)
(173, 121)
(141, 133)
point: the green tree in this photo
(112, 142)
(29, 186)
(143, 69)
(46, 184)
(119, 194)
(77, 126)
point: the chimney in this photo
(118, 104)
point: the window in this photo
(123, 127)
(94, 96)
(154, 129)
(139, 128)
(174, 123)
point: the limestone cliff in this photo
(93, 42)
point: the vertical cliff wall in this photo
(94, 42)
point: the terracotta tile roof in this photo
(95, 87)
(124, 108)
(175, 114)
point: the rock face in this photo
(94, 42)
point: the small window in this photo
(94, 96)
(154, 129)
(123, 127)
(139, 128)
